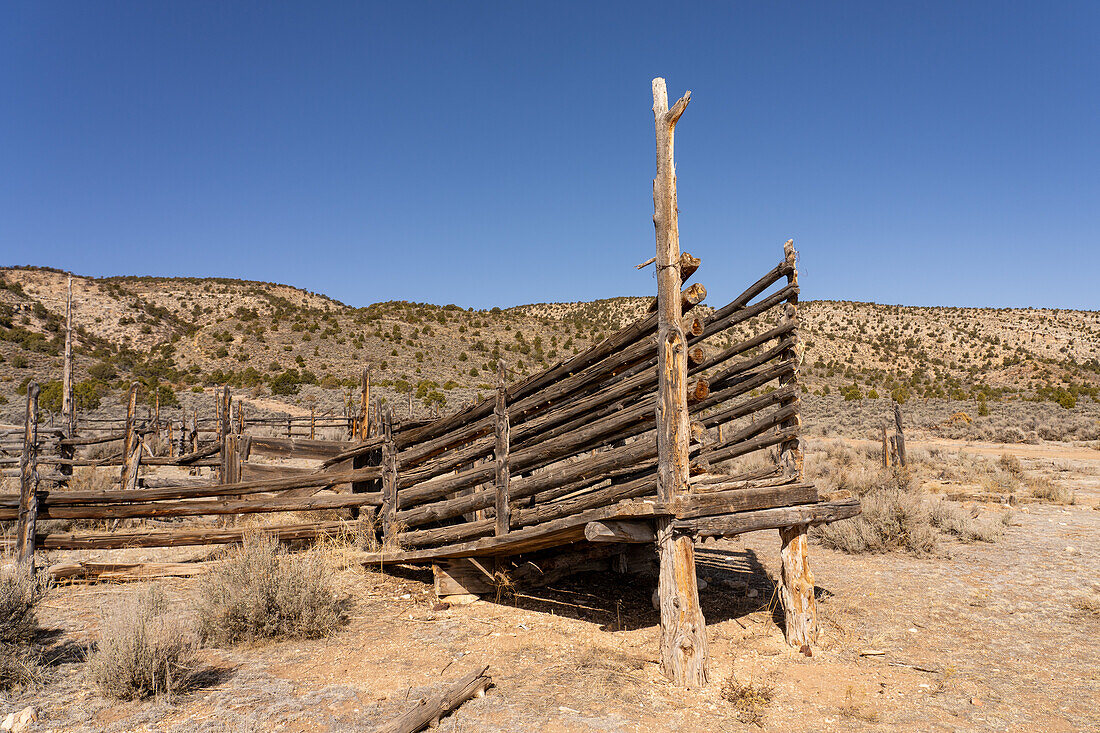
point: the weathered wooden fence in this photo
(683, 425)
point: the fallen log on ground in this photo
(429, 710)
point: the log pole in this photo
(503, 502)
(389, 480)
(68, 404)
(28, 483)
(132, 441)
(683, 629)
(900, 435)
(796, 590)
(364, 405)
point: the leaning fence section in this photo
(530, 467)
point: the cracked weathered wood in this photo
(683, 630)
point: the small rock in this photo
(702, 584)
(753, 593)
(16, 722)
(975, 701)
(655, 599)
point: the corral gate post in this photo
(796, 589)
(683, 629)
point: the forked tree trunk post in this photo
(28, 483)
(131, 447)
(796, 590)
(900, 435)
(683, 629)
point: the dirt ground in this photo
(987, 637)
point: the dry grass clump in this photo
(141, 650)
(262, 592)
(1042, 487)
(751, 700)
(893, 518)
(952, 519)
(897, 513)
(19, 659)
(1011, 464)
(1087, 607)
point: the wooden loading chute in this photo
(685, 424)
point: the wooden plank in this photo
(152, 509)
(620, 531)
(296, 448)
(187, 537)
(549, 534)
(739, 500)
(731, 525)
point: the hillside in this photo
(304, 348)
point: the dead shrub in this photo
(892, 519)
(951, 518)
(750, 700)
(1011, 464)
(1043, 488)
(262, 592)
(20, 660)
(141, 650)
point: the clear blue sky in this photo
(497, 154)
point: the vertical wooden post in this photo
(68, 405)
(683, 629)
(885, 448)
(28, 483)
(131, 446)
(312, 424)
(503, 506)
(364, 405)
(240, 417)
(796, 589)
(225, 417)
(231, 465)
(900, 435)
(195, 430)
(389, 480)
(288, 426)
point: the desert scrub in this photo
(20, 660)
(750, 700)
(142, 650)
(1043, 488)
(261, 592)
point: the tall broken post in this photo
(131, 447)
(28, 484)
(683, 629)
(364, 405)
(899, 437)
(68, 404)
(796, 589)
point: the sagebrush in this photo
(142, 650)
(262, 592)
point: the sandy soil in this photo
(988, 637)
